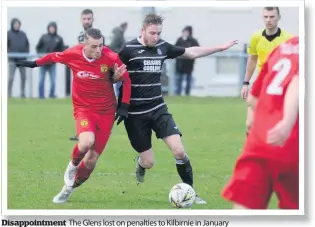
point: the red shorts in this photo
(100, 125)
(255, 179)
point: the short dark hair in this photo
(93, 33)
(270, 8)
(152, 18)
(86, 12)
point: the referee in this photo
(262, 42)
(148, 112)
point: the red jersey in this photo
(92, 89)
(270, 89)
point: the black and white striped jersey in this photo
(144, 65)
(81, 38)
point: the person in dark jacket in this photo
(48, 43)
(118, 39)
(17, 43)
(184, 67)
(116, 45)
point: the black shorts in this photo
(139, 128)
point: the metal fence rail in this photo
(168, 86)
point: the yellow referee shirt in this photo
(262, 44)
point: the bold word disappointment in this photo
(33, 223)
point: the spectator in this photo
(184, 67)
(87, 19)
(17, 43)
(117, 43)
(118, 39)
(49, 42)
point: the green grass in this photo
(39, 151)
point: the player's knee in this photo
(86, 143)
(179, 152)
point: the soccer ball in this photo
(182, 196)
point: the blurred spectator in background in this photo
(17, 43)
(48, 43)
(117, 44)
(184, 67)
(87, 19)
(118, 39)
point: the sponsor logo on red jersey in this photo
(90, 75)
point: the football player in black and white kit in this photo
(148, 112)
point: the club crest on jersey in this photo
(104, 68)
(159, 51)
(84, 123)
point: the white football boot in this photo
(199, 200)
(64, 195)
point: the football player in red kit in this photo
(270, 158)
(94, 102)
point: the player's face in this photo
(93, 48)
(271, 19)
(151, 34)
(87, 20)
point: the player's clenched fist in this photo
(122, 112)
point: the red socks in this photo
(77, 156)
(83, 173)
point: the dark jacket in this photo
(118, 39)
(17, 41)
(50, 42)
(186, 65)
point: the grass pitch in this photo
(39, 151)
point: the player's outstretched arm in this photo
(198, 52)
(55, 57)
